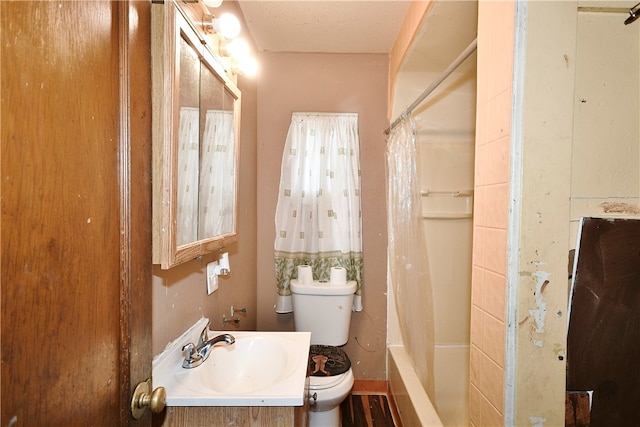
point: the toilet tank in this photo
(324, 310)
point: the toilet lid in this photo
(327, 361)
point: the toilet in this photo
(324, 309)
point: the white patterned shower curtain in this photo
(188, 161)
(318, 217)
(407, 252)
(217, 175)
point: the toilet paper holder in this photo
(237, 310)
(234, 320)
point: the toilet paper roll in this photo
(338, 276)
(305, 274)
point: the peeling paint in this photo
(620, 208)
(544, 286)
(558, 349)
(540, 312)
(537, 421)
(537, 343)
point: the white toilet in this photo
(325, 310)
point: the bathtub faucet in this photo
(195, 355)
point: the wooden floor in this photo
(367, 410)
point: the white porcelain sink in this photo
(255, 362)
(259, 369)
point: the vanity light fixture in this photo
(237, 49)
(228, 28)
(248, 67)
(212, 3)
(227, 25)
(208, 3)
(238, 52)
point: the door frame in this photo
(134, 172)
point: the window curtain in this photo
(217, 174)
(408, 265)
(318, 216)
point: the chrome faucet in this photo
(195, 355)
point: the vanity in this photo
(258, 380)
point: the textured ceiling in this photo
(347, 26)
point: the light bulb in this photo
(227, 25)
(249, 66)
(238, 49)
(212, 3)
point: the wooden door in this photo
(76, 217)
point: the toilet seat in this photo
(336, 362)
(323, 383)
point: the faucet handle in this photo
(203, 334)
(190, 350)
(192, 357)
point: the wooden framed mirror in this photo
(196, 118)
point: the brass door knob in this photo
(142, 399)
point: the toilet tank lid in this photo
(322, 288)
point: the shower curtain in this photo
(407, 252)
(188, 160)
(217, 175)
(318, 217)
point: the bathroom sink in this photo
(255, 362)
(259, 369)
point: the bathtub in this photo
(413, 403)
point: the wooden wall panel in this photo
(604, 325)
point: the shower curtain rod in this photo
(455, 64)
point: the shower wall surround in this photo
(445, 148)
(446, 121)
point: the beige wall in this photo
(605, 172)
(179, 294)
(540, 235)
(292, 82)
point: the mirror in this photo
(218, 164)
(195, 139)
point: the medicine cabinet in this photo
(196, 117)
